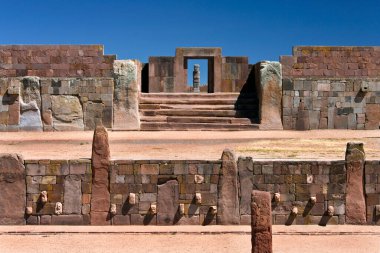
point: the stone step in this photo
(158, 126)
(197, 101)
(163, 95)
(200, 113)
(197, 107)
(222, 120)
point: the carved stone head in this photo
(294, 210)
(330, 210)
(181, 209)
(153, 208)
(213, 210)
(277, 197)
(113, 209)
(313, 200)
(198, 198)
(43, 197)
(58, 208)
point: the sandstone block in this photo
(355, 199)
(13, 190)
(100, 198)
(261, 222)
(270, 95)
(167, 202)
(72, 195)
(228, 200)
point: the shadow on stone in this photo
(126, 207)
(208, 218)
(308, 208)
(148, 218)
(325, 219)
(359, 97)
(290, 219)
(193, 208)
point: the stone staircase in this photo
(201, 111)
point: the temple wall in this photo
(168, 184)
(331, 88)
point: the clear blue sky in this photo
(261, 30)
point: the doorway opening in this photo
(204, 74)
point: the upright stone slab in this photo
(100, 198)
(126, 94)
(261, 222)
(30, 104)
(245, 166)
(12, 190)
(355, 199)
(167, 202)
(269, 87)
(73, 195)
(228, 199)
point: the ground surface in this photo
(221, 239)
(318, 144)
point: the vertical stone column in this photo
(100, 198)
(261, 222)
(127, 74)
(355, 200)
(196, 78)
(12, 190)
(228, 191)
(269, 88)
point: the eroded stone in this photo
(261, 222)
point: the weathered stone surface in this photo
(355, 200)
(67, 113)
(261, 222)
(30, 116)
(270, 95)
(245, 166)
(167, 202)
(126, 92)
(72, 196)
(30, 90)
(93, 114)
(228, 199)
(100, 198)
(12, 190)
(67, 219)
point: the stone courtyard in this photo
(92, 140)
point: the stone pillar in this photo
(355, 199)
(100, 198)
(167, 202)
(196, 78)
(269, 88)
(261, 222)
(12, 190)
(228, 191)
(127, 74)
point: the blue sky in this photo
(261, 30)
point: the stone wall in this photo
(161, 74)
(146, 179)
(331, 88)
(324, 61)
(55, 104)
(188, 192)
(330, 103)
(55, 61)
(66, 182)
(235, 72)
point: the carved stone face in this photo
(213, 210)
(113, 209)
(28, 210)
(294, 210)
(277, 197)
(313, 200)
(181, 209)
(330, 210)
(58, 208)
(198, 198)
(132, 198)
(43, 197)
(153, 209)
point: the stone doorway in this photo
(204, 82)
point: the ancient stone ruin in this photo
(76, 87)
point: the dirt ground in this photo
(193, 239)
(317, 144)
